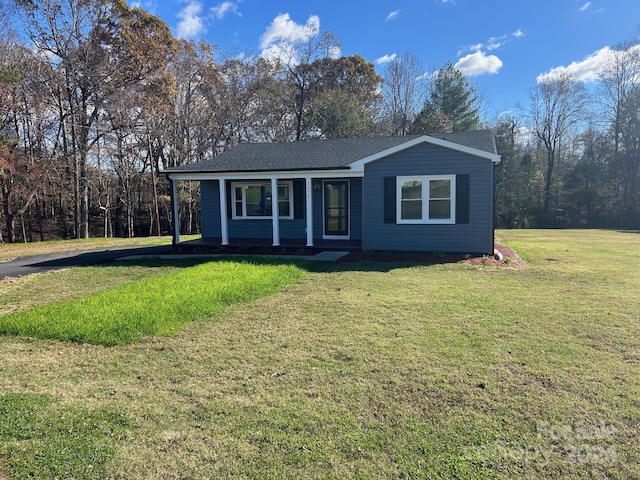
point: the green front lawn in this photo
(369, 370)
(153, 306)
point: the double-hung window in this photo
(255, 200)
(426, 199)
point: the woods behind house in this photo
(96, 98)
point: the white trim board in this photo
(359, 165)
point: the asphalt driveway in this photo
(55, 261)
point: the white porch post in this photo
(275, 211)
(309, 216)
(174, 204)
(224, 228)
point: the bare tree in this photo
(619, 75)
(99, 48)
(619, 84)
(294, 60)
(557, 105)
(403, 91)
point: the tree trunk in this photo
(76, 196)
(130, 219)
(9, 218)
(24, 232)
(155, 197)
(547, 181)
(39, 217)
(83, 221)
(11, 232)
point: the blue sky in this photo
(504, 46)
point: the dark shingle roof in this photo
(320, 154)
(478, 139)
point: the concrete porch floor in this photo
(321, 251)
(202, 244)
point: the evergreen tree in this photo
(451, 105)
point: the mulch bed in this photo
(509, 257)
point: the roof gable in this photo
(445, 141)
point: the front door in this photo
(336, 208)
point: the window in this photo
(426, 199)
(254, 200)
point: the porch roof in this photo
(333, 154)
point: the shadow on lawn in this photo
(374, 261)
(94, 257)
(307, 265)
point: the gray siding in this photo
(210, 204)
(259, 228)
(255, 228)
(427, 159)
(318, 215)
(356, 208)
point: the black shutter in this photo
(462, 198)
(299, 194)
(389, 199)
(230, 198)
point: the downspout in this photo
(493, 207)
(494, 213)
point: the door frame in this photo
(324, 210)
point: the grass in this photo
(371, 370)
(155, 306)
(18, 294)
(43, 440)
(10, 251)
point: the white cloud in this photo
(585, 7)
(219, 11)
(282, 28)
(386, 59)
(279, 51)
(478, 63)
(493, 43)
(334, 52)
(425, 76)
(392, 15)
(148, 5)
(585, 70)
(283, 34)
(190, 24)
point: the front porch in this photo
(319, 213)
(265, 245)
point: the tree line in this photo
(572, 157)
(97, 97)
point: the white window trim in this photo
(265, 183)
(425, 179)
